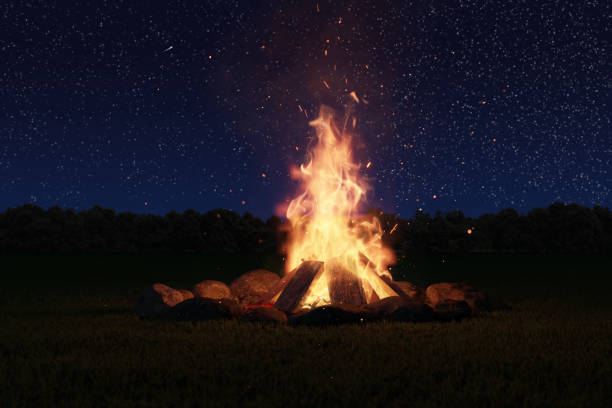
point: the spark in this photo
(168, 49)
(326, 84)
(354, 96)
(393, 229)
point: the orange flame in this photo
(325, 224)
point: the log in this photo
(298, 285)
(344, 286)
(379, 286)
(371, 295)
(272, 295)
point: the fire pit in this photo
(337, 265)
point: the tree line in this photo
(559, 228)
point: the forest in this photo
(559, 228)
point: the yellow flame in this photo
(324, 219)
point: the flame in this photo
(324, 219)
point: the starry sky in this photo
(152, 106)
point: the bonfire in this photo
(335, 255)
(337, 267)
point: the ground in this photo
(68, 338)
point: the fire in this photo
(325, 220)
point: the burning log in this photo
(315, 283)
(344, 286)
(297, 287)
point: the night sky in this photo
(152, 106)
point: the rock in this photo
(200, 309)
(440, 292)
(385, 307)
(409, 290)
(413, 312)
(452, 310)
(265, 314)
(187, 294)
(476, 300)
(157, 300)
(399, 308)
(251, 286)
(330, 315)
(212, 289)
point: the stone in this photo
(452, 310)
(212, 289)
(187, 294)
(385, 307)
(265, 314)
(440, 292)
(330, 315)
(413, 312)
(476, 300)
(157, 300)
(201, 309)
(251, 286)
(408, 290)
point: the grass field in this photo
(68, 338)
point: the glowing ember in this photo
(326, 227)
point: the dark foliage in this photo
(31, 229)
(559, 228)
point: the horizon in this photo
(282, 217)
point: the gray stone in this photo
(251, 286)
(413, 312)
(453, 291)
(187, 294)
(385, 307)
(452, 310)
(200, 309)
(408, 290)
(157, 300)
(265, 314)
(212, 289)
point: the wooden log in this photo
(298, 285)
(344, 286)
(272, 295)
(379, 286)
(370, 293)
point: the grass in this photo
(68, 338)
